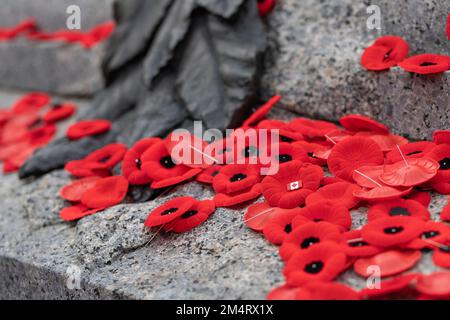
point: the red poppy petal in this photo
(445, 214)
(386, 52)
(59, 112)
(340, 193)
(435, 285)
(441, 136)
(398, 207)
(207, 175)
(169, 211)
(77, 212)
(390, 263)
(74, 191)
(441, 255)
(230, 200)
(354, 246)
(410, 150)
(175, 180)
(283, 293)
(326, 291)
(426, 63)
(82, 168)
(32, 102)
(265, 7)
(388, 142)
(106, 192)
(411, 173)
(357, 122)
(86, 128)
(381, 193)
(259, 114)
(193, 217)
(391, 286)
(279, 226)
(258, 215)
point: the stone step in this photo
(314, 63)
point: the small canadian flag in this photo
(294, 185)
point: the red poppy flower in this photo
(286, 135)
(261, 113)
(386, 52)
(441, 137)
(259, 214)
(340, 193)
(233, 199)
(306, 236)
(208, 174)
(390, 287)
(426, 63)
(18, 127)
(265, 7)
(108, 156)
(87, 128)
(441, 181)
(317, 154)
(441, 255)
(358, 123)
(354, 246)
(283, 292)
(447, 30)
(132, 162)
(322, 262)
(236, 177)
(390, 263)
(40, 136)
(279, 226)
(423, 198)
(383, 193)
(9, 167)
(288, 152)
(292, 184)
(445, 214)
(409, 173)
(318, 290)
(312, 128)
(399, 207)
(189, 150)
(353, 153)
(387, 232)
(59, 112)
(157, 163)
(13, 32)
(75, 190)
(387, 142)
(77, 212)
(83, 168)
(106, 192)
(169, 211)
(332, 213)
(31, 103)
(193, 217)
(437, 232)
(410, 150)
(436, 285)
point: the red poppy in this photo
(392, 231)
(83, 168)
(222, 150)
(261, 113)
(9, 167)
(286, 135)
(436, 285)
(208, 174)
(441, 255)
(106, 192)
(354, 246)
(75, 190)
(288, 152)
(387, 142)
(398, 207)
(445, 214)
(59, 112)
(389, 287)
(353, 153)
(434, 232)
(409, 173)
(306, 236)
(312, 128)
(332, 213)
(317, 154)
(87, 128)
(132, 162)
(390, 263)
(441, 182)
(292, 184)
(265, 7)
(193, 217)
(13, 32)
(40, 136)
(157, 163)
(169, 211)
(259, 214)
(18, 127)
(441, 137)
(358, 123)
(283, 292)
(426, 63)
(189, 150)
(319, 290)
(410, 150)
(423, 198)
(233, 199)
(77, 212)
(386, 52)
(322, 262)
(340, 193)
(279, 226)
(108, 156)
(447, 30)
(236, 177)
(31, 103)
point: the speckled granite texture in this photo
(314, 62)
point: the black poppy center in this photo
(393, 230)
(314, 267)
(238, 177)
(399, 211)
(387, 55)
(288, 228)
(312, 155)
(138, 163)
(444, 164)
(215, 173)
(285, 139)
(358, 244)
(427, 64)
(317, 220)
(430, 234)
(413, 153)
(169, 211)
(167, 162)
(445, 249)
(250, 151)
(284, 158)
(309, 242)
(189, 214)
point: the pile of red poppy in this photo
(27, 125)
(29, 30)
(305, 211)
(390, 51)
